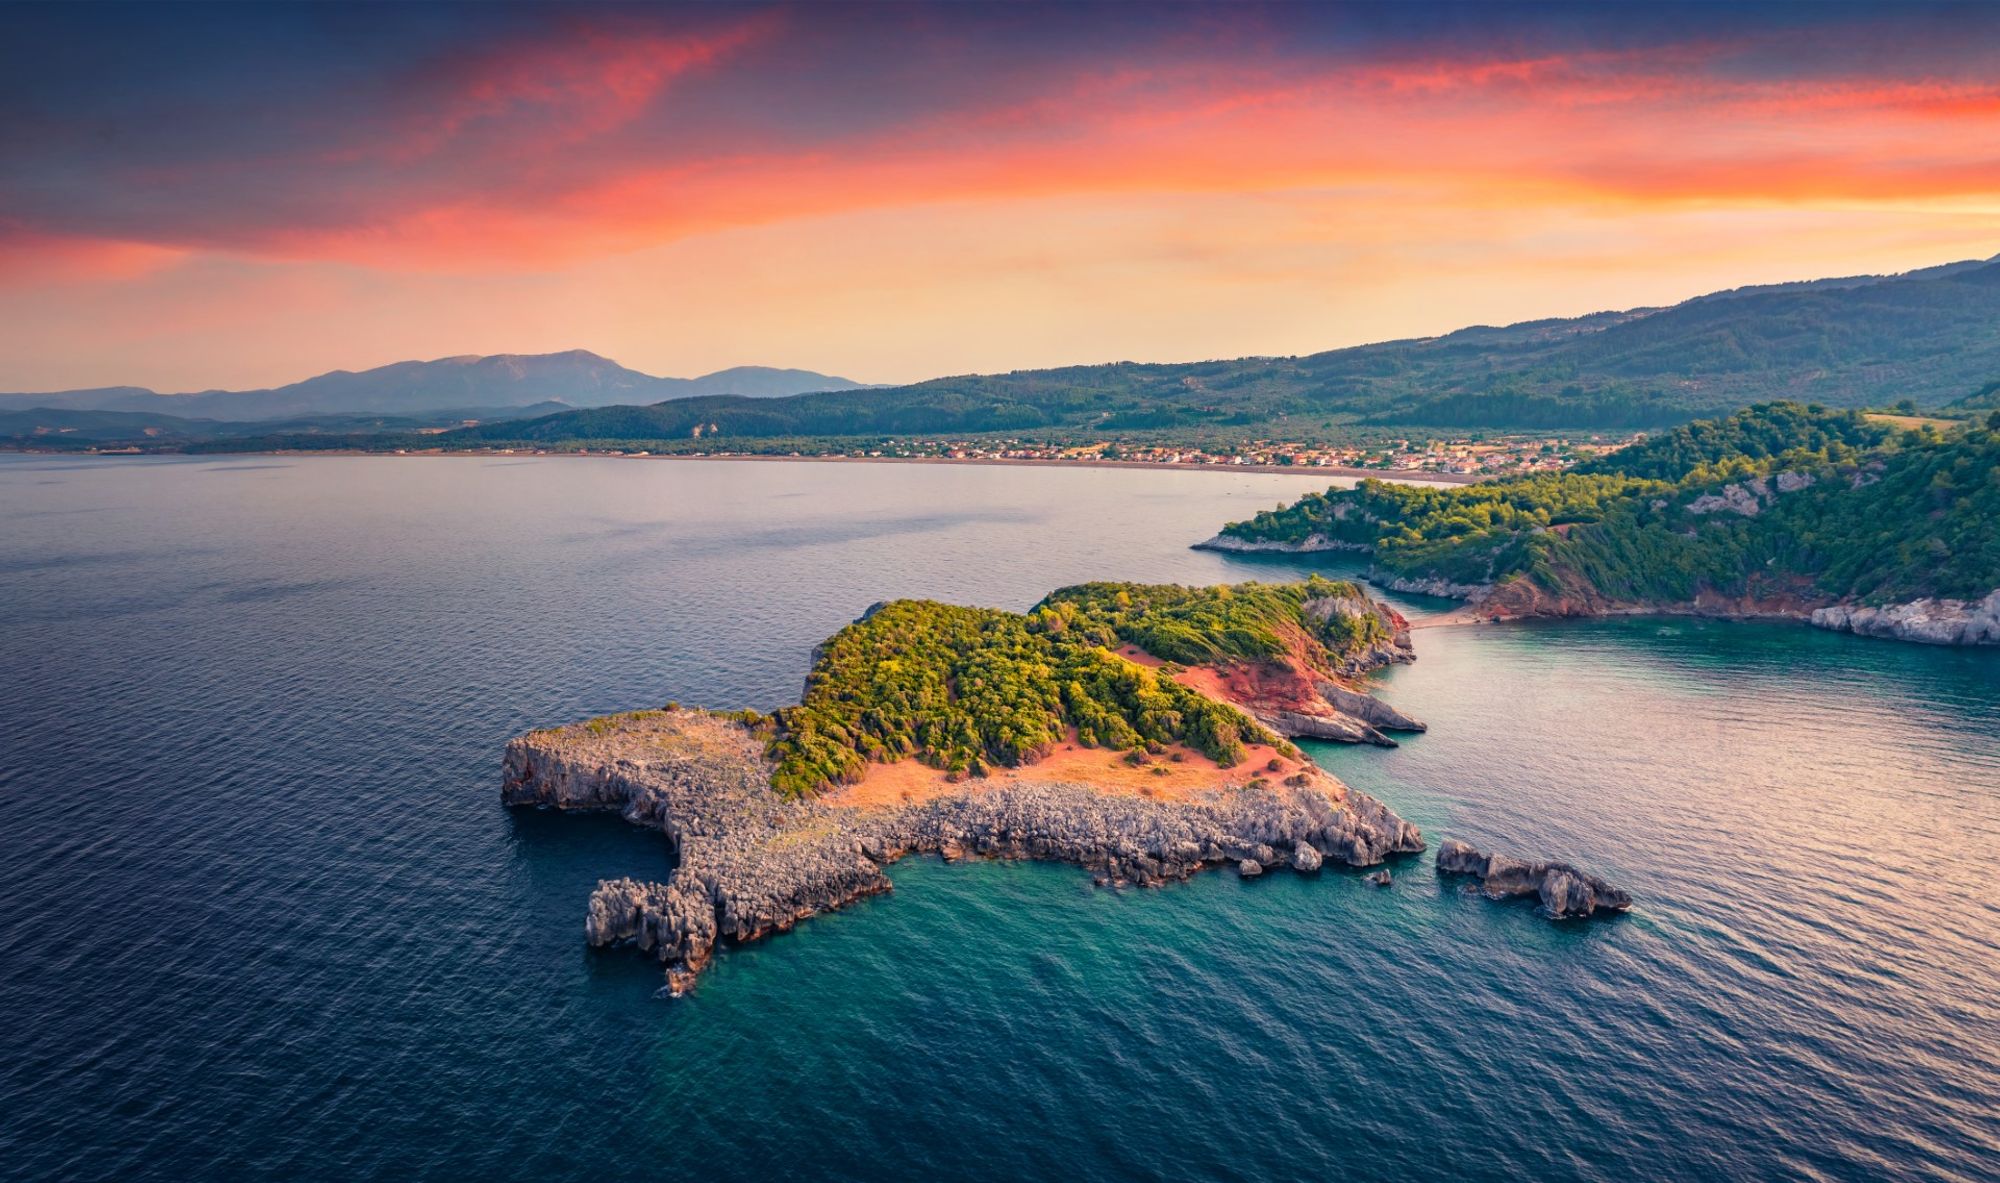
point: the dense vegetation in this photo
(1206, 625)
(1461, 533)
(1748, 442)
(1780, 499)
(968, 689)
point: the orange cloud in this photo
(541, 95)
(37, 259)
(1624, 128)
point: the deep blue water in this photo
(262, 915)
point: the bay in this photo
(265, 916)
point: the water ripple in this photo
(266, 920)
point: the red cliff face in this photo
(1312, 692)
(1524, 598)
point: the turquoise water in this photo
(266, 919)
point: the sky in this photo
(237, 196)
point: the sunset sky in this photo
(239, 196)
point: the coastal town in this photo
(1449, 459)
(1466, 457)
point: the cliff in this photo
(1929, 621)
(751, 861)
(1314, 691)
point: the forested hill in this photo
(1930, 336)
(1781, 502)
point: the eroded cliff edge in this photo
(752, 862)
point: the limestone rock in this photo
(750, 863)
(1565, 891)
(1230, 544)
(1929, 622)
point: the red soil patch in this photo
(1162, 777)
(1279, 685)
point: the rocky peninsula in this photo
(1105, 728)
(751, 861)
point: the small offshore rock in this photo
(1381, 878)
(1459, 858)
(1249, 868)
(1565, 892)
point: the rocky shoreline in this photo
(1926, 621)
(1313, 544)
(750, 863)
(1929, 622)
(1923, 622)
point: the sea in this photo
(263, 915)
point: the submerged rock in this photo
(1565, 891)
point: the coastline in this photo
(1966, 624)
(749, 863)
(1407, 475)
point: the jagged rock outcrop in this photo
(1930, 622)
(1330, 726)
(1738, 498)
(1750, 498)
(1230, 544)
(1316, 541)
(751, 863)
(1565, 891)
(1368, 709)
(1431, 586)
(1296, 698)
(1389, 631)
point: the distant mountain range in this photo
(1931, 336)
(469, 384)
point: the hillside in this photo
(1851, 342)
(964, 690)
(1781, 508)
(577, 378)
(1859, 341)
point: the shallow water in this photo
(266, 918)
